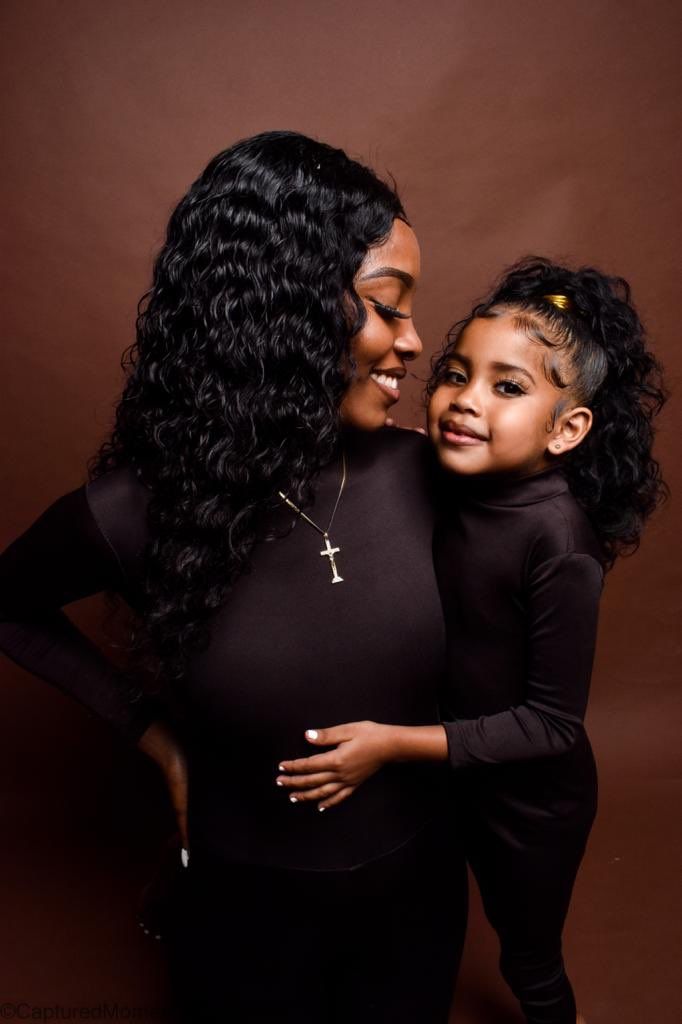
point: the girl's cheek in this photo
(438, 405)
(438, 402)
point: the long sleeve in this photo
(562, 613)
(62, 557)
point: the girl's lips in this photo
(453, 436)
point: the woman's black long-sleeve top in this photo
(288, 651)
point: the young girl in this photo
(541, 405)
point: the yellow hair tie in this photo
(560, 301)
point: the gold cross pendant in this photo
(329, 553)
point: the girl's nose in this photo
(465, 400)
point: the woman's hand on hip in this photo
(161, 744)
(360, 750)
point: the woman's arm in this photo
(60, 558)
(83, 543)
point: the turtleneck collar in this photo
(519, 491)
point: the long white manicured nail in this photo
(311, 734)
(184, 857)
(293, 799)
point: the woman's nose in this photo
(408, 344)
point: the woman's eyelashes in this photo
(389, 312)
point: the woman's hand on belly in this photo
(360, 750)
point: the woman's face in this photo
(385, 282)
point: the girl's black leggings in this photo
(526, 886)
(376, 944)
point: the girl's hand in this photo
(360, 749)
(161, 744)
(417, 430)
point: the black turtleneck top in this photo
(520, 572)
(289, 650)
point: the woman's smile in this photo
(388, 340)
(389, 381)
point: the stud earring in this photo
(557, 445)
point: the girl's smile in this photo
(455, 432)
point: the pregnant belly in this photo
(286, 657)
(237, 813)
(272, 692)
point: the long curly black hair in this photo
(239, 366)
(612, 473)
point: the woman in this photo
(274, 544)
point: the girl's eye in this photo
(510, 387)
(454, 377)
(389, 312)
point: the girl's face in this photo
(386, 283)
(495, 410)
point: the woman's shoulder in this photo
(120, 486)
(406, 456)
(118, 501)
(387, 451)
(400, 443)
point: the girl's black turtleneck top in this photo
(520, 572)
(289, 650)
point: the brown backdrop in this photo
(510, 128)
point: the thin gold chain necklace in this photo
(329, 550)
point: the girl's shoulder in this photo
(561, 527)
(534, 518)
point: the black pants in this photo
(375, 944)
(525, 847)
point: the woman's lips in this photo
(391, 392)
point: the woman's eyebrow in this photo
(402, 275)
